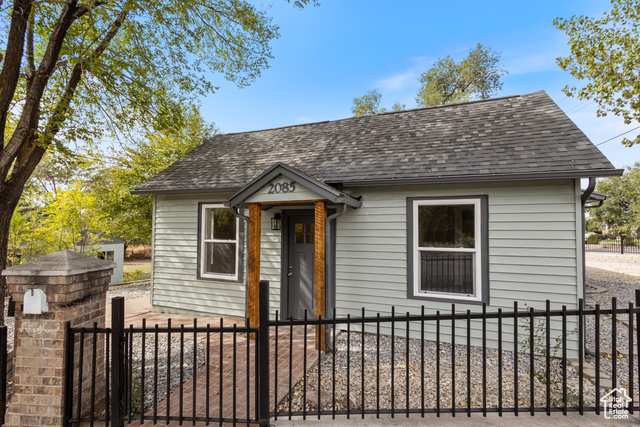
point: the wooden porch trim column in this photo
(320, 255)
(253, 267)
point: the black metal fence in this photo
(505, 361)
(532, 373)
(612, 244)
(150, 374)
(3, 373)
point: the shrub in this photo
(132, 276)
(592, 239)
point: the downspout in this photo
(238, 215)
(330, 302)
(585, 197)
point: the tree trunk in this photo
(8, 202)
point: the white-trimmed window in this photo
(219, 237)
(447, 248)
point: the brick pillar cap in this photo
(60, 264)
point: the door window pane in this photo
(304, 233)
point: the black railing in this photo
(542, 387)
(152, 374)
(3, 373)
(612, 244)
(506, 361)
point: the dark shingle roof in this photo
(510, 138)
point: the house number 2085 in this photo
(284, 187)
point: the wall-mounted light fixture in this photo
(276, 222)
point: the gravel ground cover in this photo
(378, 386)
(607, 276)
(134, 291)
(179, 371)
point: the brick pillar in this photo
(75, 286)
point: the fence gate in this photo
(156, 375)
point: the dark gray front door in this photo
(300, 271)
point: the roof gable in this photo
(275, 185)
(510, 138)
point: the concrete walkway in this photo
(476, 420)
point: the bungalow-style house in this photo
(477, 202)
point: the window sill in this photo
(231, 279)
(444, 298)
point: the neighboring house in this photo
(110, 250)
(471, 203)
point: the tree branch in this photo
(30, 54)
(30, 155)
(28, 122)
(11, 69)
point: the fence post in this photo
(117, 361)
(3, 373)
(68, 378)
(263, 355)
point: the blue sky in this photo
(328, 55)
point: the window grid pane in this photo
(447, 272)
(446, 226)
(219, 242)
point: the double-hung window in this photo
(448, 248)
(219, 242)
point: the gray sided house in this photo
(471, 203)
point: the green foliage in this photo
(448, 81)
(397, 106)
(127, 216)
(622, 212)
(52, 221)
(132, 276)
(592, 239)
(604, 53)
(539, 344)
(592, 224)
(83, 72)
(369, 104)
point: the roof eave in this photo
(463, 179)
(595, 173)
(137, 192)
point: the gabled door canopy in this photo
(280, 169)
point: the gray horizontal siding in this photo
(533, 248)
(176, 287)
(270, 254)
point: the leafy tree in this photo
(448, 81)
(604, 53)
(622, 212)
(129, 217)
(369, 104)
(49, 222)
(77, 70)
